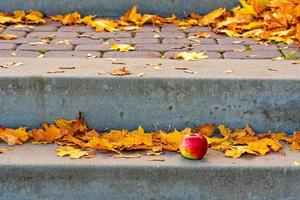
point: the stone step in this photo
(33, 172)
(116, 8)
(262, 93)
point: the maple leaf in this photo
(230, 33)
(190, 56)
(206, 129)
(211, 17)
(48, 133)
(71, 19)
(122, 47)
(102, 25)
(247, 9)
(226, 132)
(8, 36)
(71, 152)
(171, 141)
(296, 141)
(13, 136)
(260, 5)
(237, 151)
(264, 145)
(120, 72)
(34, 17)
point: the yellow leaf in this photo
(71, 152)
(226, 132)
(264, 145)
(49, 133)
(122, 47)
(98, 143)
(230, 33)
(247, 9)
(13, 136)
(237, 151)
(120, 72)
(211, 17)
(70, 19)
(102, 25)
(2, 150)
(34, 17)
(260, 5)
(206, 129)
(190, 56)
(296, 141)
(8, 36)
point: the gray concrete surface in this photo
(116, 8)
(262, 93)
(33, 172)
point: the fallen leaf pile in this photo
(261, 20)
(76, 140)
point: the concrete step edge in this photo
(117, 8)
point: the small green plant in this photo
(247, 47)
(290, 55)
(42, 51)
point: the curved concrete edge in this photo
(34, 172)
(116, 8)
(164, 98)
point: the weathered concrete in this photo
(33, 172)
(262, 93)
(116, 8)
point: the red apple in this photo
(193, 146)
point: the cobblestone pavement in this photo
(55, 40)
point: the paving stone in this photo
(215, 47)
(10, 53)
(229, 40)
(188, 41)
(283, 45)
(50, 22)
(20, 28)
(98, 35)
(211, 55)
(77, 41)
(37, 34)
(7, 46)
(169, 27)
(134, 40)
(75, 54)
(21, 40)
(47, 28)
(161, 47)
(258, 47)
(34, 28)
(47, 47)
(196, 29)
(19, 34)
(212, 35)
(92, 47)
(75, 29)
(177, 34)
(132, 54)
(252, 55)
(149, 28)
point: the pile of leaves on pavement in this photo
(76, 140)
(262, 20)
